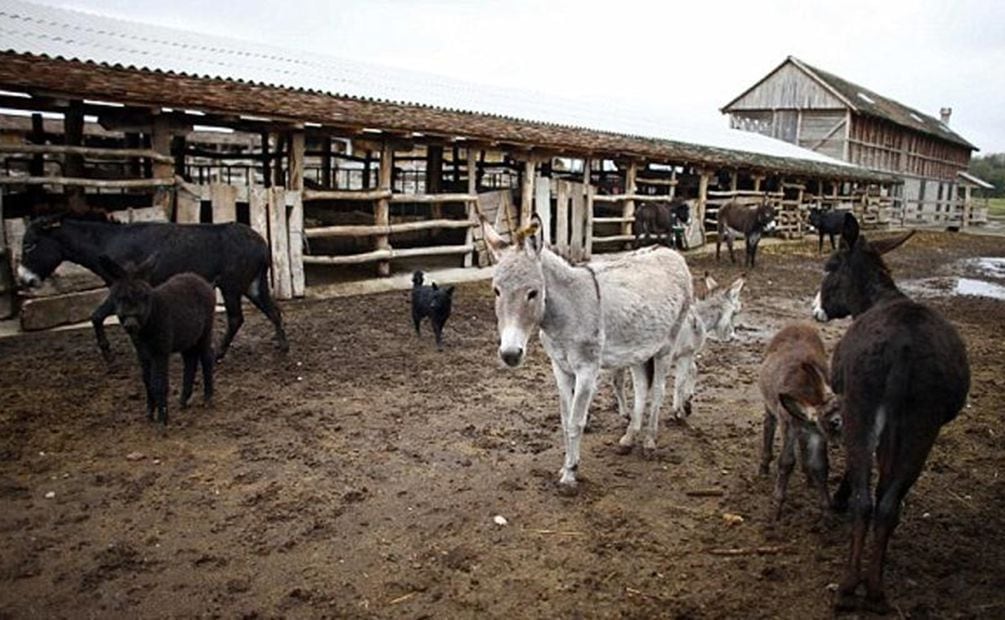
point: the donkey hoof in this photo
(567, 479)
(626, 443)
(649, 446)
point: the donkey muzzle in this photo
(27, 277)
(511, 357)
(818, 310)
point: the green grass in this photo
(996, 207)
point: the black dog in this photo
(433, 302)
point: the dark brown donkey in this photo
(902, 372)
(748, 221)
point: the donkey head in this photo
(766, 215)
(719, 308)
(682, 212)
(131, 291)
(826, 416)
(855, 275)
(41, 250)
(518, 286)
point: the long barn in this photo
(349, 170)
(818, 110)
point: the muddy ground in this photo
(360, 474)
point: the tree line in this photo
(991, 168)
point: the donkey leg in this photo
(657, 391)
(619, 392)
(586, 386)
(151, 401)
(190, 359)
(859, 447)
(259, 295)
(900, 460)
(566, 384)
(102, 312)
(207, 362)
(786, 462)
(813, 454)
(768, 439)
(235, 318)
(159, 385)
(640, 384)
(729, 246)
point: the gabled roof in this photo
(142, 63)
(870, 103)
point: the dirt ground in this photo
(359, 476)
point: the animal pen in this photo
(343, 183)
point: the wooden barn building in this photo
(820, 111)
(349, 170)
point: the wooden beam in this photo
(391, 229)
(361, 195)
(78, 182)
(385, 255)
(85, 151)
(433, 198)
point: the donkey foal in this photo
(175, 316)
(796, 395)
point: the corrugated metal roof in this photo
(29, 28)
(871, 103)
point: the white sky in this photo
(678, 59)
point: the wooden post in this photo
(967, 206)
(434, 176)
(326, 161)
(37, 166)
(562, 218)
(472, 205)
(757, 182)
(703, 179)
(382, 213)
(224, 202)
(160, 141)
(73, 165)
(628, 208)
(799, 212)
(266, 160)
(527, 191)
(279, 242)
(673, 183)
(588, 244)
(296, 213)
(734, 181)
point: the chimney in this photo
(944, 114)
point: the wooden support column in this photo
(472, 205)
(527, 191)
(734, 181)
(967, 206)
(326, 162)
(266, 160)
(757, 182)
(73, 164)
(382, 213)
(434, 177)
(160, 141)
(703, 179)
(628, 210)
(588, 198)
(673, 183)
(37, 166)
(296, 213)
(800, 220)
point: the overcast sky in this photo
(682, 60)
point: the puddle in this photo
(979, 288)
(949, 287)
(994, 267)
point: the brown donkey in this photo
(902, 372)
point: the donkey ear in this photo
(145, 268)
(885, 245)
(531, 237)
(449, 291)
(710, 283)
(793, 406)
(849, 234)
(493, 240)
(736, 287)
(112, 268)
